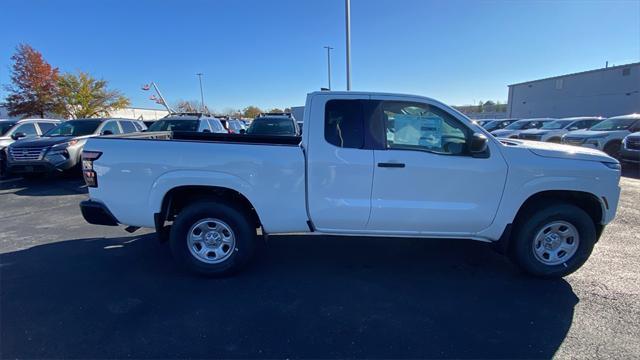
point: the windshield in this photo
(5, 126)
(491, 125)
(272, 126)
(74, 128)
(613, 124)
(175, 125)
(517, 125)
(558, 124)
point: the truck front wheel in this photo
(212, 238)
(553, 241)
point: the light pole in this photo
(201, 93)
(329, 48)
(348, 31)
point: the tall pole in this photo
(329, 48)
(201, 93)
(164, 101)
(348, 21)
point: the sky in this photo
(270, 53)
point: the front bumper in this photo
(97, 213)
(630, 156)
(40, 166)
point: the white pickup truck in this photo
(371, 164)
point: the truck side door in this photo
(425, 180)
(339, 163)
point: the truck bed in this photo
(135, 171)
(209, 137)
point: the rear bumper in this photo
(97, 213)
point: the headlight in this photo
(595, 140)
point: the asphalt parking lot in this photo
(72, 290)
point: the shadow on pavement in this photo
(631, 170)
(320, 297)
(46, 186)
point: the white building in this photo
(602, 92)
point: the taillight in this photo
(90, 176)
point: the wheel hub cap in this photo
(556, 243)
(211, 241)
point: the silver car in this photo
(61, 147)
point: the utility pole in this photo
(329, 48)
(348, 31)
(201, 93)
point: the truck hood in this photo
(42, 141)
(592, 133)
(559, 151)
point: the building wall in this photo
(603, 92)
(140, 114)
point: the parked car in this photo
(300, 126)
(514, 129)
(274, 124)
(59, 149)
(14, 130)
(197, 122)
(233, 126)
(552, 131)
(544, 206)
(630, 152)
(482, 122)
(498, 124)
(605, 136)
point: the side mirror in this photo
(107, 132)
(18, 135)
(243, 131)
(478, 144)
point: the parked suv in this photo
(552, 131)
(60, 148)
(233, 126)
(196, 122)
(278, 124)
(512, 131)
(630, 152)
(607, 135)
(12, 130)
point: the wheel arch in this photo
(177, 198)
(588, 202)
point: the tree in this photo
(251, 112)
(82, 96)
(34, 84)
(188, 106)
(275, 110)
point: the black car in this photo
(274, 124)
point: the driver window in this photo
(417, 126)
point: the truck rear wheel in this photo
(212, 238)
(553, 241)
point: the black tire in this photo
(237, 220)
(522, 241)
(613, 149)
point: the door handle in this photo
(391, 165)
